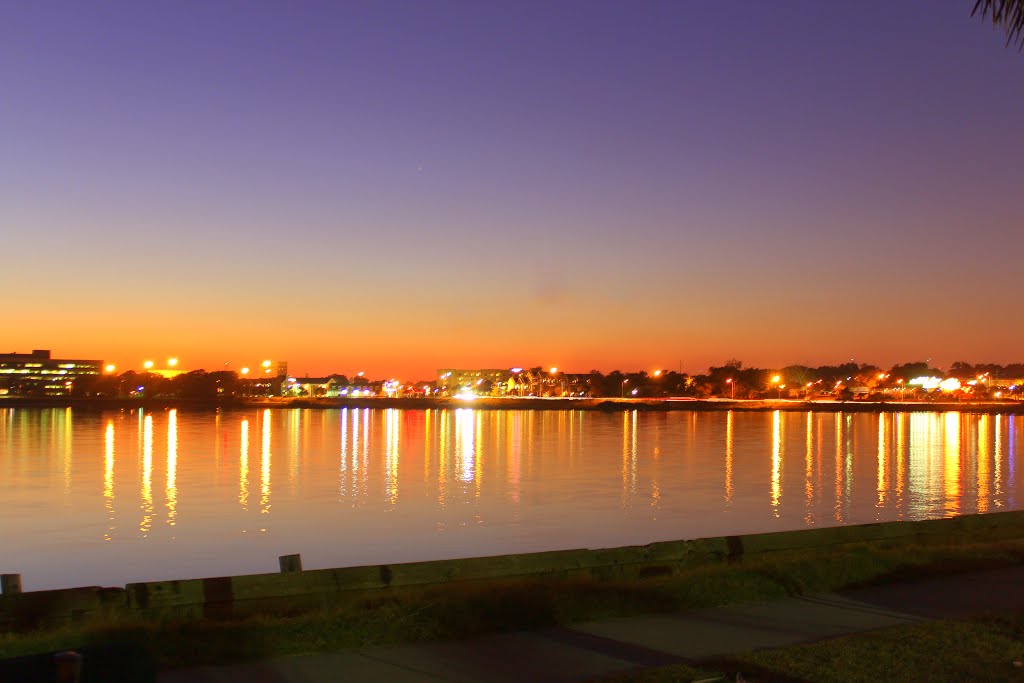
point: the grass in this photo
(470, 609)
(974, 650)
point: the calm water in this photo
(109, 498)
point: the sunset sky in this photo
(399, 187)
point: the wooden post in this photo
(290, 563)
(68, 666)
(10, 584)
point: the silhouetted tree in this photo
(1005, 14)
(908, 371)
(961, 370)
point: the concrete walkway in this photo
(615, 646)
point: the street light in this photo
(110, 367)
(622, 388)
(775, 380)
(553, 371)
(732, 388)
(245, 371)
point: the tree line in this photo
(731, 379)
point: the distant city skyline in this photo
(401, 187)
(254, 368)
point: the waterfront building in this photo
(452, 381)
(271, 368)
(311, 387)
(37, 374)
(264, 379)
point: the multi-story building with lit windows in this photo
(36, 374)
(453, 380)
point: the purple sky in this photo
(397, 187)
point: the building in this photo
(266, 368)
(37, 374)
(311, 387)
(453, 381)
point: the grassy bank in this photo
(979, 649)
(963, 650)
(458, 611)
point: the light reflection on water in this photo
(108, 498)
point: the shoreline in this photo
(488, 403)
(295, 588)
(181, 624)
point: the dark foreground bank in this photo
(208, 621)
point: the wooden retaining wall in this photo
(226, 597)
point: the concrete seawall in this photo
(226, 597)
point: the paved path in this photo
(615, 646)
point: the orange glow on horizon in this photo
(373, 348)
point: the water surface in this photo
(107, 498)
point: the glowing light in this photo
(392, 449)
(171, 491)
(108, 476)
(466, 396)
(265, 363)
(243, 467)
(926, 383)
(110, 367)
(657, 373)
(776, 379)
(516, 370)
(171, 362)
(148, 364)
(265, 465)
(554, 370)
(245, 371)
(776, 487)
(950, 384)
(147, 475)
(728, 457)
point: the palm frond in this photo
(1005, 14)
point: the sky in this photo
(396, 187)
